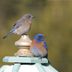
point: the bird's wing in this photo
(18, 23)
(45, 45)
(15, 26)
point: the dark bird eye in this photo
(29, 16)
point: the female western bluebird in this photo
(22, 26)
(39, 47)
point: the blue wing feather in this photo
(45, 45)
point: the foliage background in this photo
(53, 19)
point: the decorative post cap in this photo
(23, 44)
(23, 41)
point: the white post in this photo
(23, 44)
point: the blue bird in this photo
(39, 47)
(22, 26)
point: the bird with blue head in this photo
(39, 47)
(22, 26)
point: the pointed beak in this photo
(33, 17)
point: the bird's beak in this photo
(33, 17)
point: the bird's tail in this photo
(7, 35)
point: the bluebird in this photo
(22, 26)
(39, 47)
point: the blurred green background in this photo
(53, 19)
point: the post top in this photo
(17, 59)
(23, 41)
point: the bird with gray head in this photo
(22, 26)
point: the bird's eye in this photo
(29, 16)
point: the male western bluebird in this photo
(22, 26)
(39, 47)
